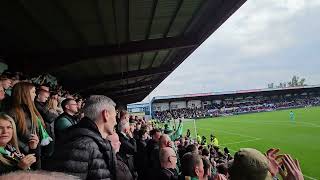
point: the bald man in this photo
(165, 141)
(122, 170)
(168, 161)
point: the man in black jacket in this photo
(84, 151)
(122, 170)
(152, 163)
(128, 146)
(48, 117)
(168, 160)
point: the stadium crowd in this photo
(43, 127)
(232, 108)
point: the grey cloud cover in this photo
(264, 41)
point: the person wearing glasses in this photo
(168, 161)
(67, 118)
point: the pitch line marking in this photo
(229, 132)
(283, 123)
(255, 139)
(237, 142)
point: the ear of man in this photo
(105, 115)
(196, 170)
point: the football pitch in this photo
(265, 130)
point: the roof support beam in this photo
(80, 38)
(129, 87)
(91, 83)
(132, 92)
(34, 22)
(173, 18)
(33, 62)
(98, 9)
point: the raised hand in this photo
(293, 168)
(33, 141)
(220, 177)
(274, 165)
(27, 161)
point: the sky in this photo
(264, 41)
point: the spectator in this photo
(44, 88)
(207, 169)
(2, 93)
(249, 164)
(122, 170)
(192, 166)
(165, 141)
(128, 146)
(152, 163)
(53, 105)
(83, 151)
(222, 169)
(67, 118)
(2, 97)
(192, 148)
(168, 161)
(141, 153)
(48, 118)
(123, 116)
(206, 153)
(10, 157)
(136, 131)
(6, 83)
(27, 118)
(181, 148)
(79, 103)
(188, 133)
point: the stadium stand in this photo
(206, 105)
(48, 126)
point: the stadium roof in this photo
(226, 93)
(120, 48)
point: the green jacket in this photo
(63, 122)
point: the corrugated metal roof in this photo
(101, 46)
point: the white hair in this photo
(95, 104)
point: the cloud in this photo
(264, 41)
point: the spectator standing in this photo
(84, 151)
(67, 118)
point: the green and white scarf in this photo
(44, 136)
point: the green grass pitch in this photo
(270, 129)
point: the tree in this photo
(271, 85)
(294, 82)
(302, 82)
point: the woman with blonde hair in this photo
(30, 125)
(11, 159)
